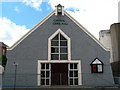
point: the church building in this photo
(58, 51)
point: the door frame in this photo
(56, 61)
(60, 70)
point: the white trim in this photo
(79, 73)
(56, 10)
(38, 73)
(68, 43)
(86, 31)
(62, 10)
(31, 31)
(52, 61)
(97, 61)
(77, 23)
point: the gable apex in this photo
(46, 18)
(59, 10)
(97, 61)
(59, 31)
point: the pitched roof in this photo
(46, 18)
(3, 45)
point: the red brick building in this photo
(3, 58)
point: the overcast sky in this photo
(17, 17)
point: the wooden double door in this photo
(59, 74)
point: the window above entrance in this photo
(59, 46)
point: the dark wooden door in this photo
(59, 74)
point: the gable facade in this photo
(57, 51)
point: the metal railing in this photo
(32, 80)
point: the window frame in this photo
(97, 67)
(73, 77)
(45, 77)
(68, 44)
(59, 61)
(52, 61)
(58, 47)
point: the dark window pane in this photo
(56, 37)
(42, 73)
(75, 66)
(63, 50)
(47, 81)
(75, 73)
(71, 73)
(47, 73)
(42, 81)
(55, 43)
(59, 13)
(61, 37)
(63, 56)
(63, 43)
(76, 81)
(43, 66)
(71, 81)
(94, 68)
(54, 50)
(71, 66)
(47, 66)
(54, 56)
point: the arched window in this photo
(96, 66)
(59, 48)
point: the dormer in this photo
(59, 10)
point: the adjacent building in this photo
(105, 39)
(58, 51)
(111, 39)
(115, 39)
(3, 59)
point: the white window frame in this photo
(62, 61)
(73, 73)
(59, 61)
(68, 44)
(45, 70)
(59, 47)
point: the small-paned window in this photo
(59, 48)
(45, 74)
(73, 74)
(96, 66)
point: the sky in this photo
(17, 17)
